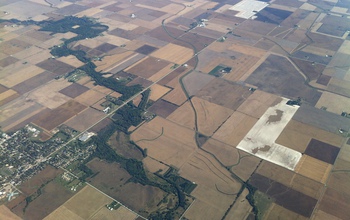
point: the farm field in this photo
(234, 110)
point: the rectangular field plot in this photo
(50, 119)
(322, 151)
(288, 198)
(313, 168)
(260, 140)
(174, 53)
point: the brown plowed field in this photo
(227, 94)
(322, 151)
(235, 128)
(336, 203)
(50, 119)
(210, 116)
(147, 67)
(257, 103)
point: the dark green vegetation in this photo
(219, 70)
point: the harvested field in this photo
(323, 80)
(339, 86)
(110, 62)
(227, 94)
(321, 215)
(313, 168)
(339, 181)
(297, 135)
(209, 116)
(62, 212)
(173, 146)
(39, 208)
(242, 67)
(55, 66)
(103, 89)
(74, 90)
(33, 184)
(335, 203)
(90, 97)
(109, 174)
(197, 40)
(112, 180)
(215, 188)
(7, 61)
(86, 203)
(85, 119)
(321, 119)
(147, 67)
(322, 151)
(71, 60)
(127, 34)
(226, 154)
(174, 53)
(259, 27)
(275, 173)
(120, 214)
(247, 50)
(284, 196)
(157, 91)
(311, 70)
(279, 212)
(307, 186)
(163, 108)
(20, 75)
(160, 34)
(260, 140)
(257, 103)
(5, 213)
(48, 95)
(273, 15)
(162, 73)
(278, 76)
(235, 128)
(99, 126)
(246, 166)
(183, 115)
(174, 74)
(33, 82)
(176, 96)
(145, 49)
(241, 209)
(326, 42)
(8, 96)
(195, 81)
(50, 119)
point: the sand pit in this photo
(260, 140)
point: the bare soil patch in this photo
(146, 49)
(147, 67)
(50, 119)
(74, 90)
(227, 94)
(286, 197)
(322, 151)
(55, 66)
(278, 76)
(85, 119)
(336, 203)
(163, 108)
(34, 82)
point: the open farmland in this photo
(278, 76)
(260, 140)
(84, 205)
(227, 94)
(49, 119)
(113, 180)
(165, 141)
(174, 53)
(207, 132)
(209, 116)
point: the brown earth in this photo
(49, 119)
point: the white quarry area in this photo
(248, 8)
(260, 140)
